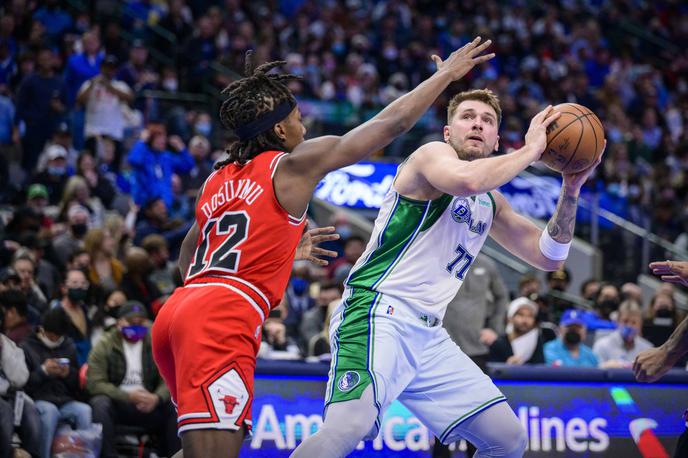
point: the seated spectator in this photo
(633, 292)
(13, 377)
(558, 282)
(607, 301)
(14, 311)
(569, 350)
(53, 174)
(523, 341)
(313, 321)
(164, 272)
(37, 200)
(105, 316)
(125, 383)
(297, 299)
(354, 246)
(589, 289)
(661, 319)
(77, 192)
(199, 148)
(98, 185)
(25, 265)
(105, 271)
(276, 344)
(154, 219)
(73, 303)
(68, 243)
(54, 378)
(620, 348)
(137, 285)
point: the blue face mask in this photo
(628, 333)
(134, 333)
(52, 170)
(203, 128)
(299, 286)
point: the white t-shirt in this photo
(133, 379)
(105, 111)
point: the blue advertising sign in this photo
(561, 418)
(361, 185)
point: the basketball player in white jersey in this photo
(386, 335)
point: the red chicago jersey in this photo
(247, 240)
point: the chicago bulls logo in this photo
(230, 403)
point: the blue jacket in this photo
(79, 69)
(152, 172)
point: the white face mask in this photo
(50, 343)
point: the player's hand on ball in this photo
(307, 248)
(652, 364)
(671, 271)
(463, 59)
(576, 180)
(536, 137)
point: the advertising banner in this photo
(562, 419)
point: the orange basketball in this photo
(575, 140)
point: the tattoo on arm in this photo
(560, 226)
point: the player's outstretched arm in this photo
(548, 249)
(652, 364)
(671, 271)
(313, 159)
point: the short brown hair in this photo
(154, 243)
(481, 95)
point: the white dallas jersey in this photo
(420, 250)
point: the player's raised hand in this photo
(671, 271)
(536, 137)
(307, 248)
(577, 179)
(464, 59)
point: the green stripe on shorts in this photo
(351, 374)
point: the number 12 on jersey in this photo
(221, 237)
(464, 259)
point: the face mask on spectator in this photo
(77, 294)
(344, 230)
(664, 313)
(628, 333)
(299, 286)
(56, 171)
(52, 344)
(609, 305)
(572, 337)
(203, 128)
(79, 229)
(134, 333)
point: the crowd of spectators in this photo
(98, 176)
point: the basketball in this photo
(575, 140)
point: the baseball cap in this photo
(572, 316)
(518, 303)
(37, 190)
(132, 309)
(55, 151)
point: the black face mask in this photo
(79, 230)
(608, 306)
(77, 294)
(572, 337)
(664, 313)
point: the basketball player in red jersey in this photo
(237, 257)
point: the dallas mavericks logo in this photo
(461, 213)
(348, 381)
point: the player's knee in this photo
(516, 441)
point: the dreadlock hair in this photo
(249, 98)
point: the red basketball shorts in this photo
(205, 341)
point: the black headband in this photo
(265, 121)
